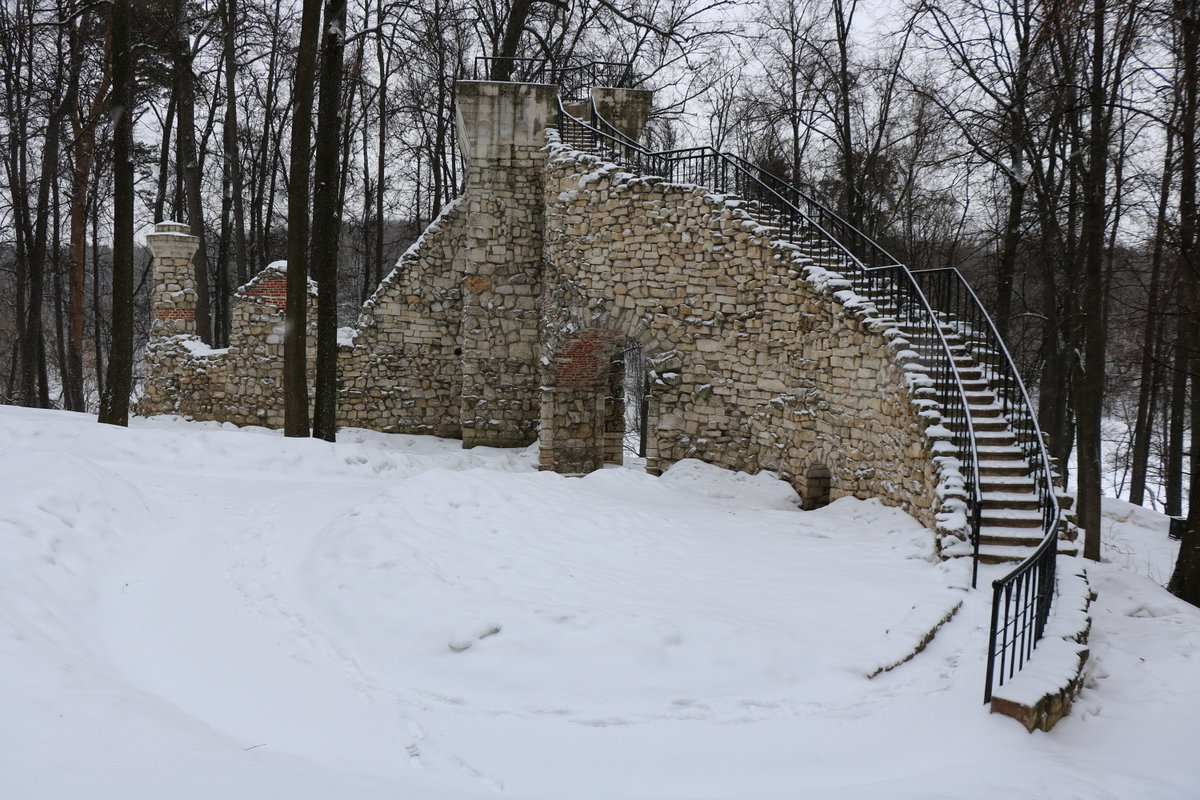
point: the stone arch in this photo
(818, 482)
(581, 402)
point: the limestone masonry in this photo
(505, 323)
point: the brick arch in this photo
(583, 403)
(585, 359)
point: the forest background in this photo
(1046, 148)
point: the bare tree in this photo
(295, 337)
(1185, 581)
(326, 227)
(114, 402)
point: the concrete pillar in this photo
(501, 130)
(625, 109)
(173, 293)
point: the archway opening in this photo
(817, 483)
(635, 396)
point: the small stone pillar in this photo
(173, 296)
(625, 109)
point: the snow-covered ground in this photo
(194, 611)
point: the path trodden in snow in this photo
(190, 611)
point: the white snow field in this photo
(194, 611)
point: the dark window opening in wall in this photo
(636, 389)
(817, 479)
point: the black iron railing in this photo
(924, 303)
(573, 79)
(1021, 604)
(959, 306)
(1021, 600)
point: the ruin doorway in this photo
(817, 485)
(635, 394)
(595, 404)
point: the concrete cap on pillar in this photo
(169, 226)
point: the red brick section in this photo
(273, 289)
(584, 360)
(175, 313)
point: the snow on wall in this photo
(502, 321)
(398, 367)
(765, 358)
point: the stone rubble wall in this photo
(242, 383)
(763, 360)
(506, 322)
(399, 367)
(403, 372)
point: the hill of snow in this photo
(195, 611)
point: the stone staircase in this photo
(1011, 523)
(1011, 490)
(1010, 520)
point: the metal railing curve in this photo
(1021, 600)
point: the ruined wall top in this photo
(494, 118)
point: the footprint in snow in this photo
(476, 633)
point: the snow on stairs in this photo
(1010, 520)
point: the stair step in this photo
(984, 437)
(1012, 553)
(1003, 468)
(1010, 518)
(999, 453)
(1029, 538)
(1004, 483)
(1002, 554)
(1012, 500)
(988, 424)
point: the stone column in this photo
(625, 109)
(173, 296)
(501, 130)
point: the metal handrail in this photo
(1013, 640)
(780, 203)
(1025, 596)
(573, 79)
(986, 344)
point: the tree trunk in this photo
(1185, 581)
(114, 403)
(327, 219)
(845, 133)
(1008, 252)
(164, 161)
(381, 155)
(97, 310)
(32, 347)
(233, 156)
(295, 338)
(1149, 375)
(83, 150)
(1177, 421)
(1090, 381)
(518, 14)
(187, 165)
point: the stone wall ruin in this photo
(505, 323)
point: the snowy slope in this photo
(194, 611)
